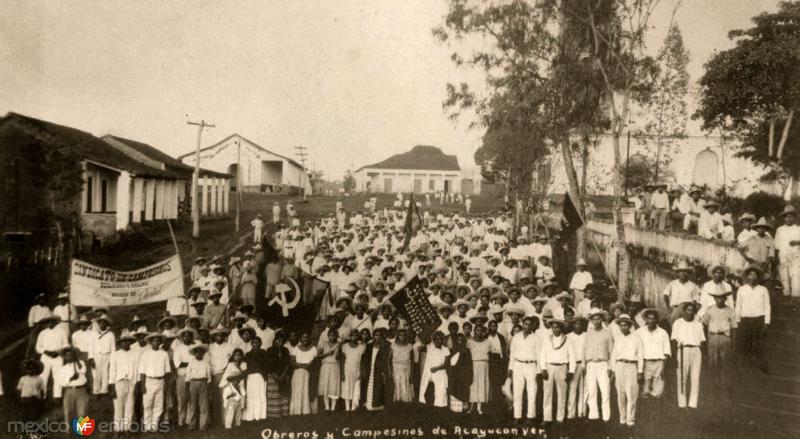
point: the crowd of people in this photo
(514, 338)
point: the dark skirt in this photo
(277, 402)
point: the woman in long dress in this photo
(351, 390)
(278, 369)
(376, 373)
(330, 377)
(459, 374)
(401, 368)
(479, 347)
(302, 357)
(256, 406)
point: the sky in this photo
(352, 81)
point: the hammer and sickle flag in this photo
(286, 302)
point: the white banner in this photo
(91, 285)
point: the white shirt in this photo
(706, 298)
(63, 376)
(629, 348)
(218, 355)
(434, 357)
(655, 343)
(577, 344)
(688, 333)
(783, 236)
(82, 339)
(557, 351)
(38, 312)
(53, 339)
(154, 363)
(177, 306)
(523, 348)
(102, 344)
(679, 292)
(123, 365)
(580, 279)
(753, 302)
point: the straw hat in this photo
(625, 318)
(220, 330)
(762, 222)
(513, 309)
(788, 210)
(682, 266)
(126, 336)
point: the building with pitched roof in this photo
(257, 168)
(423, 169)
(120, 184)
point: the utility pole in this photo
(301, 152)
(238, 184)
(196, 177)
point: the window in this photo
(431, 185)
(89, 194)
(103, 196)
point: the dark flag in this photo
(571, 220)
(413, 222)
(413, 304)
(297, 303)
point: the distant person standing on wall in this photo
(276, 212)
(467, 204)
(787, 246)
(258, 228)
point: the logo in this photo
(83, 426)
(281, 300)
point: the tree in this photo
(665, 115)
(315, 178)
(752, 91)
(349, 182)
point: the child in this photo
(31, 390)
(329, 373)
(351, 389)
(233, 392)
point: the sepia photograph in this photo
(323, 219)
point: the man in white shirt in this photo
(580, 279)
(49, 344)
(181, 356)
(659, 205)
(787, 247)
(123, 374)
(557, 365)
(71, 377)
(753, 315)
(689, 335)
(576, 399)
(153, 369)
(709, 225)
(628, 360)
(681, 290)
(711, 288)
(100, 351)
(656, 350)
(38, 311)
(523, 352)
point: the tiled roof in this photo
(171, 163)
(421, 157)
(85, 145)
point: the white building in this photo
(423, 169)
(259, 169)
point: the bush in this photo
(760, 204)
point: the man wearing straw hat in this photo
(122, 376)
(596, 357)
(657, 350)
(628, 360)
(688, 333)
(787, 246)
(49, 344)
(759, 247)
(720, 320)
(681, 290)
(580, 279)
(100, 351)
(557, 364)
(71, 377)
(753, 314)
(523, 355)
(710, 288)
(154, 367)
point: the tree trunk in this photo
(580, 244)
(623, 258)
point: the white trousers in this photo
(653, 379)
(523, 378)
(557, 378)
(439, 380)
(597, 377)
(50, 366)
(152, 403)
(789, 272)
(100, 373)
(123, 404)
(576, 400)
(689, 371)
(627, 384)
